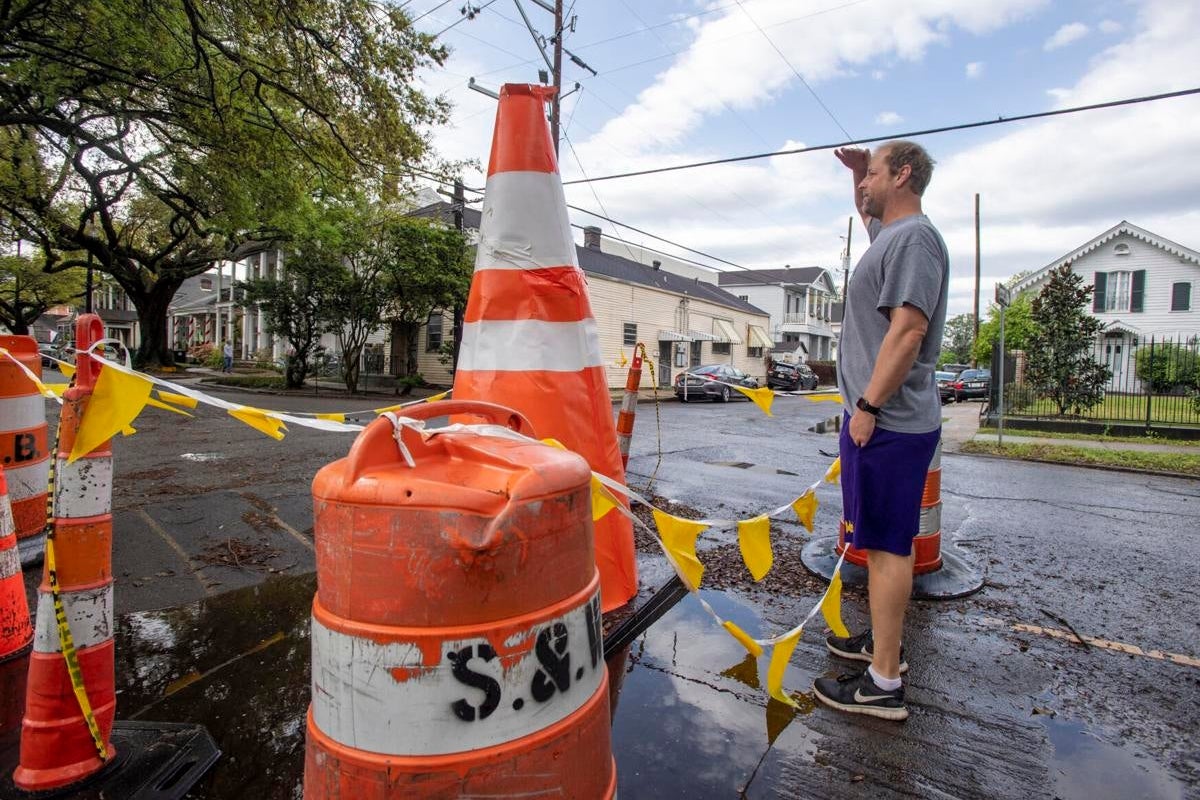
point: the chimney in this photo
(656, 264)
(591, 237)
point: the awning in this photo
(673, 336)
(701, 336)
(759, 338)
(726, 332)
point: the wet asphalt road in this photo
(1004, 704)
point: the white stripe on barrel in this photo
(22, 413)
(525, 223)
(529, 345)
(84, 488)
(936, 462)
(28, 481)
(89, 614)
(931, 519)
(378, 697)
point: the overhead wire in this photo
(430, 11)
(463, 18)
(596, 195)
(904, 135)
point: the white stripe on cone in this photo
(27, 482)
(464, 703)
(85, 488)
(22, 413)
(936, 461)
(525, 223)
(529, 345)
(10, 563)
(89, 614)
(931, 520)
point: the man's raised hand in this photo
(855, 158)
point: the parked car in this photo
(945, 384)
(972, 383)
(791, 377)
(709, 383)
(49, 352)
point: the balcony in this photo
(804, 323)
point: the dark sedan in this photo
(710, 383)
(945, 384)
(791, 377)
(972, 383)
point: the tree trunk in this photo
(155, 349)
(411, 332)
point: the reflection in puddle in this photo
(1085, 766)
(203, 456)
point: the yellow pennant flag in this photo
(824, 398)
(260, 420)
(805, 507)
(831, 606)
(559, 445)
(68, 370)
(780, 657)
(679, 537)
(128, 430)
(177, 399)
(150, 401)
(439, 396)
(754, 538)
(386, 409)
(602, 501)
(332, 417)
(753, 647)
(622, 360)
(762, 397)
(58, 388)
(116, 401)
(834, 472)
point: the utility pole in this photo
(975, 338)
(846, 263)
(458, 205)
(555, 102)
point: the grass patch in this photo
(1090, 437)
(1164, 408)
(1175, 463)
(248, 381)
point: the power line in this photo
(908, 135)
(795, 71)
(465, 16)
(430, 11)
(599, 202)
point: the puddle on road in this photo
(203, 457)
(1086, 766)
(751, 467)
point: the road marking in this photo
(174, 545)
(1106, 644)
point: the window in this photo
(754, 352)
(206, 284)
(1121, 249)
(630, 333)
(744, 297)
(1116, 292)
(433, 332)
(1119, 291)
(1181, 296)
(720, 348)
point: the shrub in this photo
(826, 372)
(1167, 367)
(250, 381)
(199, 353)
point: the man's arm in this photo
(897, 354)
(856, 159)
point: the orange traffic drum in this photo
(24, 451)
(456, 630)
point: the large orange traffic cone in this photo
(529, 337)
(70, 697)
(16, 634)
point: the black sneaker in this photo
(858, 694)
(859, 648)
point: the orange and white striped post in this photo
(24, 450)
(529, 336)
(629, 404)
(70, 697)
(16, 634)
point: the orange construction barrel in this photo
(456, 630)
(23, 444)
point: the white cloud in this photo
(974, 69)
(1110, 26)
(878, 74)
(888, 118)
(1071, 32)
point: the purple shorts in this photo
(882, 484)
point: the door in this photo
(695, 360)
(664, 365)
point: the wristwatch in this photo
(867, 407)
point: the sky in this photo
(681, 81)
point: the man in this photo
(227, 356)
(892, 332)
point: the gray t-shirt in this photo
(907, 263)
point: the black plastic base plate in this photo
(956, 578)
(154, 761)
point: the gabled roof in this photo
(610, 265)
(797, 276)
(443, 212)
(1122, 228)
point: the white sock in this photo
(887, 684)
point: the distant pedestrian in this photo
(227, 352)
(892, 333)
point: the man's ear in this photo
(902, 175)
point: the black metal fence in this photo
(1153, 382)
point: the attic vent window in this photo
(1121, 250)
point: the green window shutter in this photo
(1181, 297)
(1138, 292)
(1100, 280)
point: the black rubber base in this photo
(956, 578)
(154, 761)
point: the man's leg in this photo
(889, 588)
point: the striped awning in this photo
(701, 336)
(725, 332)
(673, 336)
(759, 338)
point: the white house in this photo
(1145, 288)
(800, 302)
